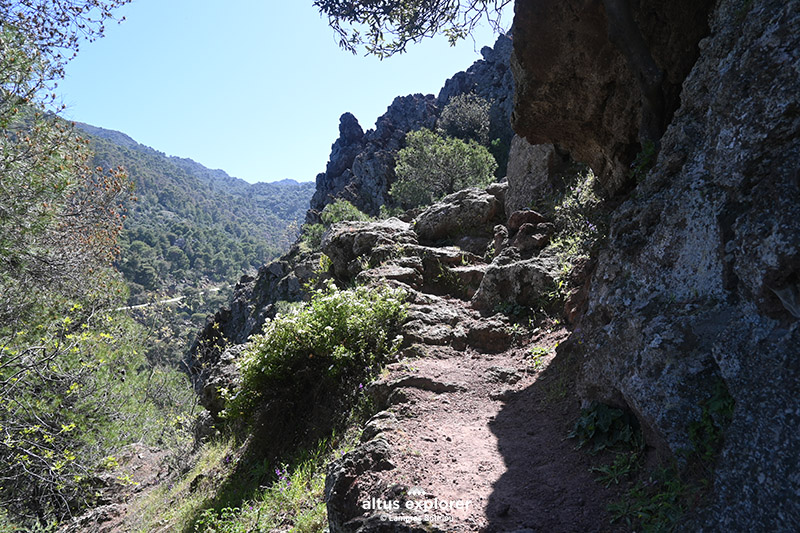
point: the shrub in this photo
(581, 221)
(311, 236)
(466, 117)
(72, 392)
(431, 166)
(341, 211)
(338, 211)
(340, 337)
(602, 427)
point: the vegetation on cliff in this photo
(299, 404)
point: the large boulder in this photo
(524, 282)
(349, 244)
(530, 174)
(470, 212)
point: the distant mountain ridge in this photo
(191, 223)
(214, 176)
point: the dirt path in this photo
(485, 428)
(176, 299)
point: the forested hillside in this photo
(192, 225)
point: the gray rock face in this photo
(596, 78)
(347, 242)
(530, 174)
(471, 212)
(361, 165)
(520, 281)
(686, 294)
(342, 495)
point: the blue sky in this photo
(253, 87)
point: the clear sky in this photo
(252, 87)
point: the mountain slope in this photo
(193, 224)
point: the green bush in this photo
(339, 337)
(72, 392)
(338, 211)
(466, 117)
(431, 166)
(341, 211)
(311, 237)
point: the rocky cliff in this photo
(695, 295)
(361, 165)
(691, 303)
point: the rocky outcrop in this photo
(599, 78)
(349, 244)
(361, 165)
(524, 282)
(692, 297)
(535, 174)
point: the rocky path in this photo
(470, 438)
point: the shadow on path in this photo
(547, 486)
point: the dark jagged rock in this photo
(490, 78)
(343, 494)
(522, 217)
(361, 168)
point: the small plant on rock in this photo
(536, 357)
(602, 427)
(576, 214)
(311, 237)
(624, 465)
(644, 161)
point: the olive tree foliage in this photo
(387, 27)
(431, 166)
